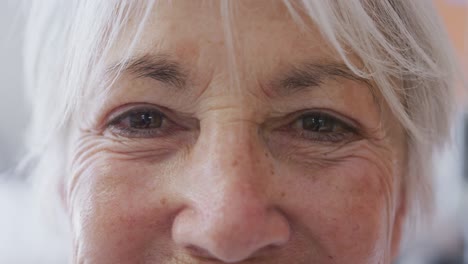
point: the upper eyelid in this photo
(345, 123)
(289, 119)
(136, 110)
(112, 124)
(120, 112)
(123, 111)
(338, 117)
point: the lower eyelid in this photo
(133, 133)
(331, 137)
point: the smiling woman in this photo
(237, 131)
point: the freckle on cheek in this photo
(234, 163)
(163, 201)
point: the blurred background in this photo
(12, 108)
(445, 242)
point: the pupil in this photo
(145, 120)
(317, 123)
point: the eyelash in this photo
(168, 127)
(346, 132)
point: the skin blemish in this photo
(163, 201)
(235, 163)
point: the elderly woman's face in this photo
(263, 149)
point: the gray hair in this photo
(402, 45)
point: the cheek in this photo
(345, 206)
(122, 203)
(109, 205)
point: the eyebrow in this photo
(158, 67)
(308, 75)
(298, 77)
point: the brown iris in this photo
(321, 123)
(145, 120)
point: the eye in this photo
(142, 123)
(318, 122)
(323, 127)
(145, 120)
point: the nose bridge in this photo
(231, 161)
(231, 216)
(233, 148)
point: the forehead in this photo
(214, 35)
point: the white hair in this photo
(402, 45)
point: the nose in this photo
(230, 215)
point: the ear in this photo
(398, 225)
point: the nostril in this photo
(199, 252)
(231, 233)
